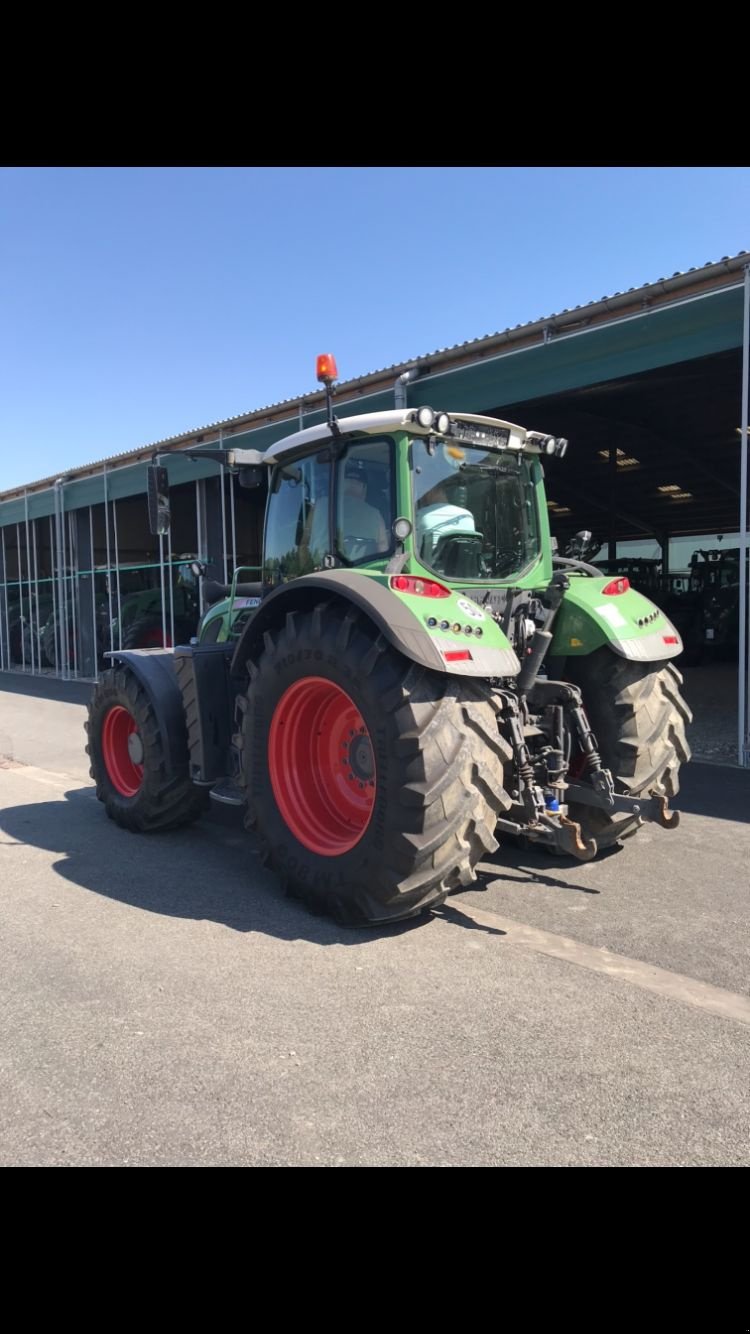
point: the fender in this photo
(630, 624)
(397, 618)
(155, 671)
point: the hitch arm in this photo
(654, 807)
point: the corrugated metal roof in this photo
(663, 285)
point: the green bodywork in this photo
(589, 619)
(232, 612)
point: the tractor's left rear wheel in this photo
(374, 784)
(128, 761)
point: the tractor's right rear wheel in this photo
(128, 760)
(639, 717)
(374, 784)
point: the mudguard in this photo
(402, 620)
(628, 623)
(155, 669)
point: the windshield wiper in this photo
(496, 469)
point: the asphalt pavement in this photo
(161, 1002)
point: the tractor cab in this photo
(457, 497)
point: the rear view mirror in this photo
(252, 477)
(158, 499)
(582, 546)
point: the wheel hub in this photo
(135, 748)
(361, 757)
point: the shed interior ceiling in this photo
(676, 432)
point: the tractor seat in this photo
(214, 592)
(458, 555)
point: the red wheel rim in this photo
(322, 766)
(124, 774)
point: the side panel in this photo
(401, 618)
(155, 670)
(629, 623)
(202, 671)
(223, 620)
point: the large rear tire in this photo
(639, 717)
(374, 784)
(128, 763)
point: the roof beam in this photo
(648, 435)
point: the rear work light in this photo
(423, 588)
(616, 586)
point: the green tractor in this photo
(415, 675)
(140, 624)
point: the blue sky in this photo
(140, 302)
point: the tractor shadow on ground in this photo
(210, 871)
(450, 912)
(515, 864)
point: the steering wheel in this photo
(355, 547)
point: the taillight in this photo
(457, 655)
(670, 639)
(423, 588)
(616, 586)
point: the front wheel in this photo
(128, 763)
(375, 785)
(639, 717)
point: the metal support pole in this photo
(62, 592)
(20, 596)
(66, 610)
(8, 663)
(117, 573)
(73, 592)
(743, 683)
(38, 640)
(163, 600)
(58, 583)
(171, 583)
(224, 522)
(109, 562)
(234, 524)
(93, 591)
(28, 581)
(52, 573)
(612, 547)
(223, 512)
(3, 604)
(202, 548)
(665, 569)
